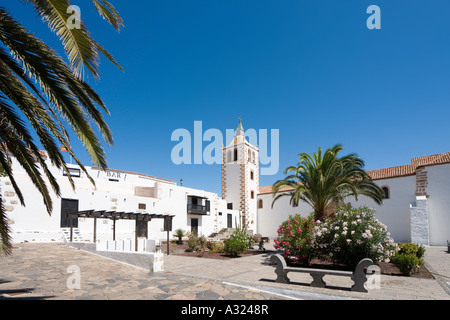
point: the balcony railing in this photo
(196, 209)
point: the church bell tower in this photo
(240, 177)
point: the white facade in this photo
(114, 190)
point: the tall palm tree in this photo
(322, 180)
(40, 91)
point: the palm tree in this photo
(323, 180)
(41, 92)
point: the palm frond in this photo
(109, 13)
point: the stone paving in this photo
(43, 271)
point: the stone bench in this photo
(359, 276)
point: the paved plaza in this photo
(50, 271)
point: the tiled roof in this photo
(269, 189)
(410, 169)
(392, 172)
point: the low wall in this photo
(152, 261)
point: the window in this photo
(142, 206)
(260, 204)
(229, 156)
(73, 172)
(252, 194)
(253, 157)
(235, 154)
(230, 206)
(386, 192)
(252, 175)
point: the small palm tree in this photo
(179, 233)
(39, 91)
(323, 180)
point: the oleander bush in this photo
(352, 235)
(294, 238)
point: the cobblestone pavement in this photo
(45, 271)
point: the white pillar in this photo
(420, 232)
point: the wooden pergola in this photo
(114, 216)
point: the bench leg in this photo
(281, 276)
(359, 275)
(317, 280)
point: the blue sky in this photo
(311, 69)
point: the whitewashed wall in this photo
(438, 201)
(394, 212)
(33, 223)
(269, 219)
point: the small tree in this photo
(180, 233)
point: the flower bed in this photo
(340, 241)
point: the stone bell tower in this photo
(240, 177)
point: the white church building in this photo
(415, 209)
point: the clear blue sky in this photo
(311, 69)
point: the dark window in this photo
(260, 204)
(142, 206)
(252, 175)
(252, 194)
(235, 154)
(386, 193)
(230, 205)
(208, 206)
(73, 172)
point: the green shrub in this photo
(412, 248)
(196, 243)
(407, 263)
(409, 257)
(234, 246)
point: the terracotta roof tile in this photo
(269, 189)
(392, 172)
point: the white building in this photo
(416, 207)
(194, 210)
(417, 198)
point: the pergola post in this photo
(114, 229)
(136, 235)
(95, 229)
(71, 227)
